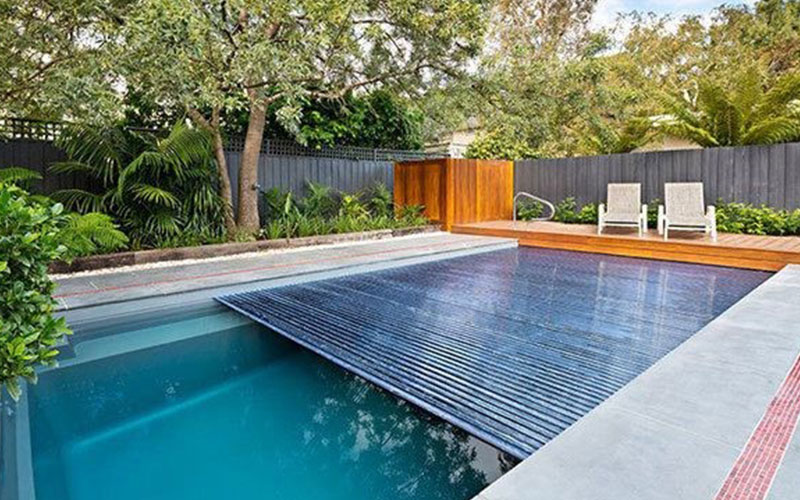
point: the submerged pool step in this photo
(512, 346)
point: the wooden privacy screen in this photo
(456, 191)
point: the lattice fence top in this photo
(39, 130)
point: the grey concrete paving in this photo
(675, 431)
(88, 290)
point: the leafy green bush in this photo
(30, 239)
(90, 234)
(749, 219)
(159, 189)
(529, 210)
(567, 211)
(322, 212)
(380, 202)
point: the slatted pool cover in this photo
(514, 345)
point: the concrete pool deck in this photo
(714, 419)
(115, 286)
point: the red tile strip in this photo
(754, 471)
(429, 246)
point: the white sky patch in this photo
(607, 10)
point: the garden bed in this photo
(120, 259)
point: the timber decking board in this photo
(768, 253)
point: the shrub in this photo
(30, 239)
(159, 189)
(567, 211)
(749, 219)
(380, 202)
(91, 234)
(322, 212)
(529, 210)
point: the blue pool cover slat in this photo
(514, 345)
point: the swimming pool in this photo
(513, 345)
(204, 403)
(210, 405)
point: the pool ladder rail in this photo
(535, 198)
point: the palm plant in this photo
(161, 190)
(745, 114)
(18, 176)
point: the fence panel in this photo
(350, 172)
(750, 174)
(290, 173)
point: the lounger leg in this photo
(666, 231)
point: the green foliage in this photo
(567, 211)
(319, 201)
(412, 215)
(748, 219)
(90, 234)
(380, 201)
(379, 119)
(288, 217)
(529, 209)
(744, 113)
(18, 176)
(30, 240)
(161, 190)
(500, 146)
(51, 64)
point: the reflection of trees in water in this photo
(416, 454)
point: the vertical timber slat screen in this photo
(456, 191)
(767, 175)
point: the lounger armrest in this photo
(644, 211)
(601, 208)
(661, 219)
(711, 217)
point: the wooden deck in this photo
(768, 253)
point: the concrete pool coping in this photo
(92, 289)
(692, 422)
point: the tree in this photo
(748, 111)
(210, 57)
(51, 63)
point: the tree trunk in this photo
(225, 189)
(247, 217)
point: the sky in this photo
(607, 10)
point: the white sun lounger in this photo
(684, 210)
(625, 208)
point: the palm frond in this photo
(675, 127)
(748, 93)
(773, 131)
(185, 145)
(80, 200)
(91, 233)
(720, 115)
(18, 175)
(105, 149)
(152, 194)
(778, 99)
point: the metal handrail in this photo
(535, 198)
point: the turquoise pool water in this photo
(211, 406)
